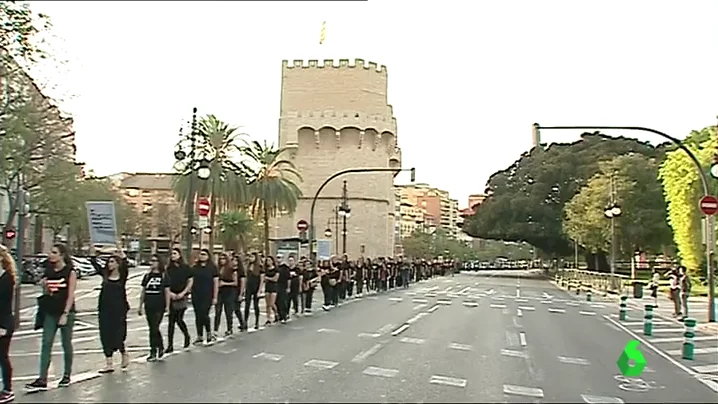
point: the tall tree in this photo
(682, 190)
(526, 200)
(273, 185)
(227, 188)
(235, 229)
(642, 225)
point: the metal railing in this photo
(588, 281)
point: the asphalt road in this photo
(508, 338)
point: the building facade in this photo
(335, 115)
(437, 205)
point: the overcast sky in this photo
(466, 79)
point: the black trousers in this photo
(201, 307)
(154, 319)
(360, 286)
(176, 318)
(308, 297)
(238, 312)
(350, 288)
(293, 301)
(327, 292)
(5, 364)
(282, 303)
(251, 296)
(226, 300)
(334, 294)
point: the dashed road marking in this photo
(317, 363)
(470, 304)
(680, 339)
(416, 318)
(573, 361)
(419, 301)
(369, 335)
(419, 306)
(497, 306)
(400, 330)
(460, 347)
(546, 301)
(521, 300)
(328, 330)
(269, 356)
(448, 381)
(430, 294)
(587, 313)
(433, 308)
(522, 338)
(408, 340)
(362, 356)
(514, 354)
(588, 399)
(411, 293)
(380, 372)
(598, 305)
(527, 308)
(396, 299)
(706, 368)
(519, 313)
(445, 302)
(572, 304)
(523, 391)
(385, 329)
(555, 310)
(696, 351)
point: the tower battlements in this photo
(331, 63)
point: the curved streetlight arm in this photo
(704, 182)
(326, 182)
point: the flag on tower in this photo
(323, 33)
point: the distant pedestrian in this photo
(360, 276)
(255, 283)
(675, 291)
(154, 301)
(283, 291)
(686, 285)
(310, 279)
(295, 282)
(227, 295)
(57, 306)
(179, 278)
(271, 277)
(334, 276)
(112, 309)
(8, 277)
(205, 287)
(653, 286)
(239, 269)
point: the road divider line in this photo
(400, 330)
(362, 356)
(328, 330)
(396, 299)
(522, 338)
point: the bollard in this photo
(578, 288)
(689, 333)
(588, 295)
(622, 311)
(648, 320)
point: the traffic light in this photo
(10, 234)
(413, 175)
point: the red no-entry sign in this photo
(302, 225)
(709, 205)
(203, 206)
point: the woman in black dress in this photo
(204, 295)
(255, 282)
(238, 268)
(112, 308)
(271, 277)
(227, 296)
(179, 278)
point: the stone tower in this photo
(333, 116)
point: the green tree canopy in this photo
(427, 246)
(526, 200)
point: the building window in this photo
(133, 192)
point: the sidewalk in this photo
(697, 308)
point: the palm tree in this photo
(273, 184)
(227, 186)
(235, 227)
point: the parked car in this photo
(83, 266)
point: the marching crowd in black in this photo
(233, 285)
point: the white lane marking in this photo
(696, 351)
(573, 361)
(587, 313)
(588, 399)
(400, 330)
(328, 330)
(521, 300)
(433, 308)
(523, 391)
(470, 304)
(527, 308)
(460, 347)
(706, 368)
(663, 330)
(546, 301)
(708, 383)
(465, 290)
(572, 304)
(419, 301)
(269, 356)
(85, 376)
(385, 328)
(498, 298)
(362, 356)
(522, 338)
(369, 335)
(430, 294)
(79, 352)
(445, 302)
(636, 323)
(408, 340)
(680, 339)
(497, 306)
(516, 323)
(448, 381)
(411, 293)
(514, 354)
(519, 313)
(396, 299)
(598, 305)
(83, 324)
(85, 339)
(318, 363)
(518, 292)
(419, 306)
(555, 310)
(380, 372)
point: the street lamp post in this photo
(312, 231)
(704, 183)
(344, 212)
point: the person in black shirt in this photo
(227, 295)
(334, 275)
(310, 278)
(283, 292)
(255, 282)
(295, 282)
(323, 271)
(8, 277)
(154, 301)
(352, 273)
(271, 277)
(204, 295)
(112, 309)
(238, 267)
(179, 277)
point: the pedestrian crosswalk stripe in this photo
(706, 368)
(527, 308)
(587, 313)
(696, 351)
(680, 339)
(663, 330)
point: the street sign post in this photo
(203, 206)
(709, 205)
(302, 225)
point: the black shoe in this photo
(160, 353)
(198, 341)
(169, 350)
(37, 385)
(256, 326)
(152, 357)
(186, 342)
(228, 333)
(64, 382)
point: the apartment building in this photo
(436, 203)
